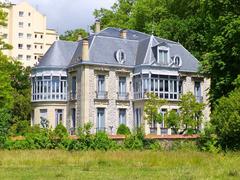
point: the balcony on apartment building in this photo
(102, 95)
(122, 96)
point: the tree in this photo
(190, 112)
(151, 108)
(226, 120)
(172, 120)
(73, 35)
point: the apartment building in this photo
(27, 32)
(104, 80)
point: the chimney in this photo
(97, 26)
(85, 50)
(123, 34)
(79, 37)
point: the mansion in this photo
(104, 78)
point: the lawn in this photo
(57, 164)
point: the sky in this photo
(64, 15)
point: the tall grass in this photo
(56, 164)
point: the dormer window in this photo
(177, 61)
(120, 56)
(163, 55)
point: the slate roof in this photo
(138, 48)
(58, 55)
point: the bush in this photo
(102, 142)
(226, 120)
(60, 131)
(135, 141)
(208, 140)
(123, 129)
(4, 126)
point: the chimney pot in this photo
(123, 34)
(97, 26)
(85, 50)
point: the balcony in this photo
(72, 96)
(101, 94)
(123, 96)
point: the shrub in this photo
(135, 141)
(60, 131)
(208, 140)
(102, 142)
(226, 120)
(4, 126)
(123, 129)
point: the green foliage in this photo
(151, 108)
(60, 131)
(4, 125)
(135, 140)
(172, 120)
(73, 35)
(190, 112)
(123, 129)
(208, 140)
(102, 142)
(226, 120)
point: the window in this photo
(74, 84)
(43, 117)
(29, 14)
(35, 46)
(20, 46)
(29, 36)
(20, 35)
(28, 46)
(20, 24)
(41, 36)
(20, 13)
(101, 86)
(35, 35)
(120, 56)
(163, 86)
(177, 61)
(41, 47)
(35, 57)
(58, 116)
(122, 116)
(163, 112)
(28, 57)
(49, 88)
(197, 91)
(100, 119)
(20, 56)
(73, 118)
(122, 86)
(137, 117)
(29, 24)
(163, 57)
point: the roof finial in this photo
(152, 25)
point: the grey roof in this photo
(139, 49)
(58, 55)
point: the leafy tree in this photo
(73, 35)
(151, 108)
(226, 120)
(172, 120)
(190, 112)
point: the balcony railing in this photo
(199, 99)
(123, 96)
(73, 96)
(101, 94)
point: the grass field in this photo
(56, 164)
